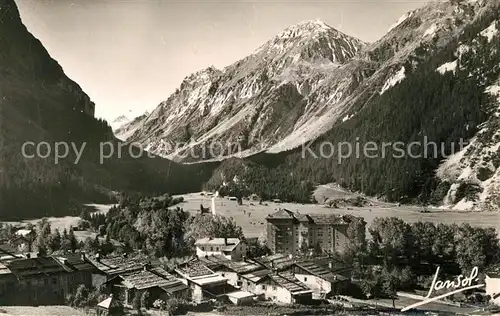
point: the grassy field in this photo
(251, 216)
(39, 311)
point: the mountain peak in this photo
(312, 24)
(306, 28)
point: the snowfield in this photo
(394, 80)
(451, 66)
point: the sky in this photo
(130, 55)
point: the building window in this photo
(211, 248)
(305, 279)
(54, 281)
(203, 248)
(217, 249)
(223, 274)
(275, 288)
(263, 287)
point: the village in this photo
(305, 266)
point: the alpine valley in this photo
(434, 75)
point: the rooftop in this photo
(119, 264)
(256, 276)
(157, 277)
(290, 283)
(74, 262)
(319, 219)
(227, 244)
(320, 271)
(194, 268)
(277, 261)
(217, 262)
(33, 266)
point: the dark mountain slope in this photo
(39, 103)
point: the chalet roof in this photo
(209, 280)
(277, 261)
(119, 264)
(320, 271)
(74, 262)
(145, 279)
(256, 276)
(214, 262)
(289, 282)
(194, 268)
(171, 289)
(33, 266)
(218, 262)
(226, 244)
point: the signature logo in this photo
(460, 284)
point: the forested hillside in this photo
(39, 103)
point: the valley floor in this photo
(251, 216)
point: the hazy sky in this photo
(129, 55)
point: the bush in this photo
(160, 304)
(175, 306)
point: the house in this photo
(107, 268)
(232, 248)
(282, 288)
(45, 280)
(492, 281)
(156, 281)
(291, 233)
(204, 283)
(325, 276)
(320, 279)
(231, 270)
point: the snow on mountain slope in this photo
(119, 121)
(446, 67)
(128, 127)
(394, 80)
(295, 87)
(256, 101)
(380, 63)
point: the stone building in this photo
(291, 233)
